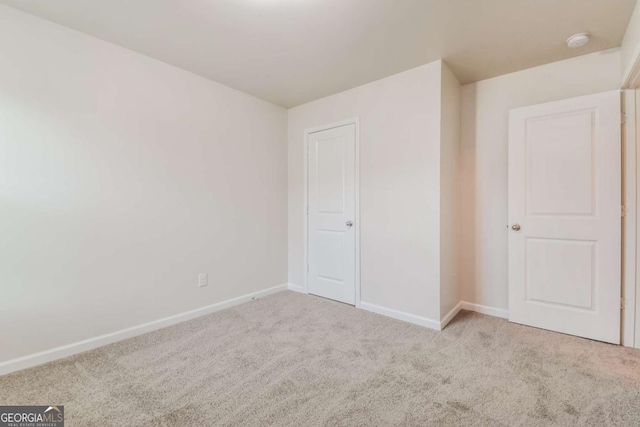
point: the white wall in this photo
(485, 107)
(449, 192)
(630, 49)
(121, 179)
(399, 186)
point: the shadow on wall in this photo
(467, 194)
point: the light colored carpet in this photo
(297, 360)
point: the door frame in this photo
(630, 331)
(352, 121)
(631, 161)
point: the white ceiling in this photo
(293, 51)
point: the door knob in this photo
(515, 227)
(349, 223)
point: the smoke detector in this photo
(578, 40)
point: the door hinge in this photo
(623, 211)
(623, 118)
(307, 268)
(621, 303)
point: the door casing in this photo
(630, 336)
(352, 121)
(631, 232)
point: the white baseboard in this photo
(296, 288)
(91, 343)
(434, 324)
(483, 309)
(401, 315)
(450, 315)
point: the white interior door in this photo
(565, 216)
(331, 210)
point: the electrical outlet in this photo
(203, 280)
